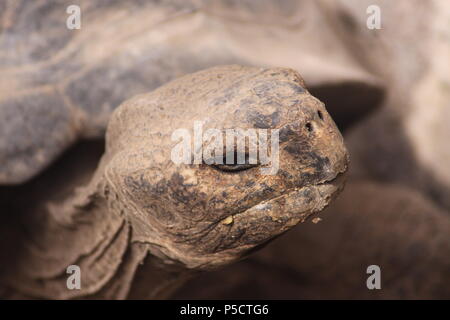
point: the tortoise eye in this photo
(234, 167)
(246, 162)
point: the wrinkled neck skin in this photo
(144, 271)
(89, 230)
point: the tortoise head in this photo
(167, 153)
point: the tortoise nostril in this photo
(320, 114)
(309, 126)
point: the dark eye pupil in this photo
(236, 162)
(234, 167)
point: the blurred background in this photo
(381, 67)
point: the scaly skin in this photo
(144, 224)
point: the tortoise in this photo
(60, 85)
(143, 224)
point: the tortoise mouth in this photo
(272, 217)
(339, 179)
(236, 236)
(338, 182)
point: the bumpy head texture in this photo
(203, 215)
